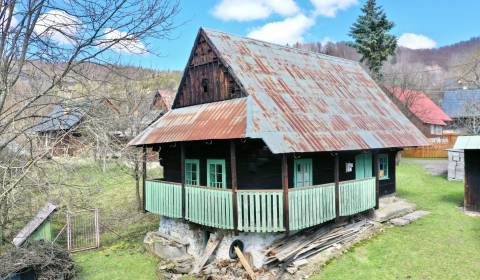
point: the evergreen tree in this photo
(371, 38)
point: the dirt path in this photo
(436, 167)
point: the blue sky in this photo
(419, 24)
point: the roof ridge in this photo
(331, 57)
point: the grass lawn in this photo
(442, 245)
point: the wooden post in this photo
(285, 192)
(97, 229)
(182, 171)
(233, 170)
(144, 177)
(69, 232)
(337, 185)
(377, 179)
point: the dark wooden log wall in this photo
(472, 180)
(258, 168)
(205, 66)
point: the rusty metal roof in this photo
(218, 120)
(298, 101)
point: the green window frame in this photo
(192, 172)
(383, 166)
(216, 173)
(303, 173)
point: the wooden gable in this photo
(206, 79)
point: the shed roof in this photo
(62, 117)
(461, 103)
(421, 106)
(467, 143)
(297, 101)
(36, 222)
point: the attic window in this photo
(205, 85)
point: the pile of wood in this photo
(304, 244)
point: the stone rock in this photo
(392, 207)
(399, 221)
(163, 247)
(415, 215)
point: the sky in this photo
(418, 24)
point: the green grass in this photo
(121, 261)
(442, 245)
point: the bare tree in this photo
(45, 48)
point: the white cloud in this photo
(58, 26)
(416, 41)
(329, 8)
(246, 10)
(122, 43)
(287, 31)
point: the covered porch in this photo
(240, 185)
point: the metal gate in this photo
(82, 230)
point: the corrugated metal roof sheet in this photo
(467, 143)
(62, 117)
(421, 106)
(299, 101)
(218, 120)
(461, 103)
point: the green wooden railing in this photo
(356, 196)
(163, 198)
(260, 211)
(310, 206)
(209, 206)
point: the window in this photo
(363, 166)
(436, 129)
(302, 175)
(205, 85)
(192, 172)
(216, 173)
(383, 166)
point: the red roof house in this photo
(422, 111)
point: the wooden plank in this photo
(212, 244)
(285, 192)
(244, 263)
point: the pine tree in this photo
(371, 38)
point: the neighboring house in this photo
(163, 100)
(58, 129)
(422, 111)
(471, 147)
(269, 138)
(463, 106)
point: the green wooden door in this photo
(363, 166)
(302, 175)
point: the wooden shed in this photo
(268, 138)
(471, 147)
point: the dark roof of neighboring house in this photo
(36, 222)
(62, 117)
(421, 106)
(297, 101)
(462, 103)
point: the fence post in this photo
(285, 192)
(69, 232)
(97, 228)
(233, 170)
(377, 179)
(144, 177)
(337, 185)
(182, 171)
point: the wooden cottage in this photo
(471, 147)
(268, 138)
